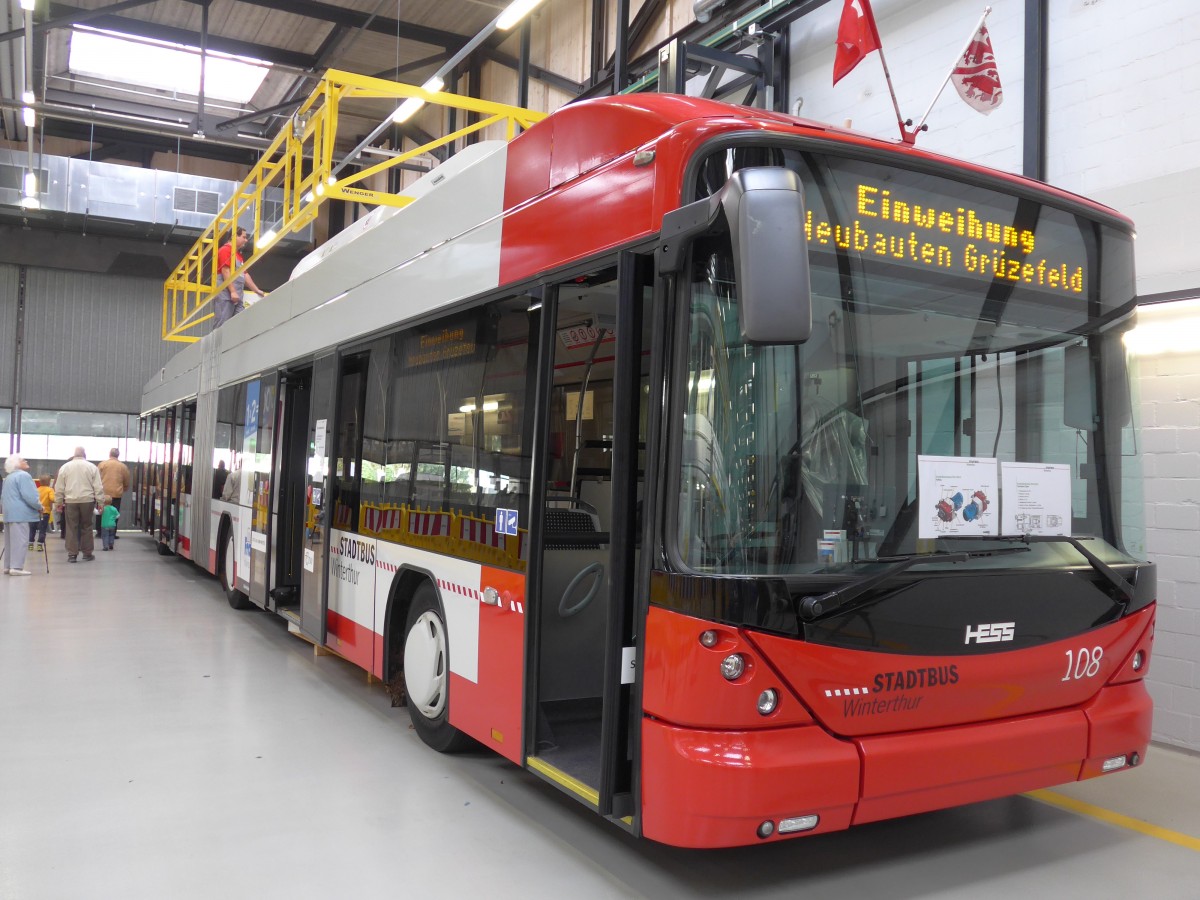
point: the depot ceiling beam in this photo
(641, 23)
(72, 121)
(327, 12)
(420, 136)
(395, 72)
(694, 32)
(65, 16)
(339, 39)
(285, 106)
(176, 112)
(136, 28)
(155, 142)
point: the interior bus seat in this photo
(567, 528)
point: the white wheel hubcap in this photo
(229, 563)
(425, 673)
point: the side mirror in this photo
(763, 209)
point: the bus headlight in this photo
(1139, 660)
(767, 701)
(1113, 763)
(800, 823)
(733, 666)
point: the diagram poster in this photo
(958, 495)
(1037, 498)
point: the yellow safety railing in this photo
(439, 530)
(300, 162)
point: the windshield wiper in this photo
(1100, 566)
(813, 607)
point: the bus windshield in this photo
(951, 321)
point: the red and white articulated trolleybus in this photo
(743, 476)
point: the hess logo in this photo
(992, 633)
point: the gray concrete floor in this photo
(156, 744)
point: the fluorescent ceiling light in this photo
(516, 11)
(28, 4)
(409, 107)
(27, 98)
(164, 66)
(1165, 328)
(29, 116)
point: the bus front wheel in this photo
(427, 673)
(236, 598)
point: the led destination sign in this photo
(443, 344)
(913, 229)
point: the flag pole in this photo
(906, 135)
(966, 46)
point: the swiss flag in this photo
(975, 76)
(856, 37)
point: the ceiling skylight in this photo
(167, 67)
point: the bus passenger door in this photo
(185, 441)
(313, 541)
(258, 445)
(592, 468)
(289, 509)
(164, 514)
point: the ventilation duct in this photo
(105, 198)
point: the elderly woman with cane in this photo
(21, 509)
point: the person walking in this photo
(22, 508)
(114, 475)
(108, 521)
(78, 493)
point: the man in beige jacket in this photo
(78, 492)
(114, 475)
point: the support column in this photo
(14, 416)
(1034, 142)
(523, 66)
(621, 48)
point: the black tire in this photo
(427, 673)
(163, 549)
(225, 559)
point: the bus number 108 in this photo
(1083, 663)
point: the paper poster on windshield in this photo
(958, 496)
(1037, 498)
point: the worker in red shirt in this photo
(228, 303)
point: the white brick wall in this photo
(1170, 444)
(1124, 87)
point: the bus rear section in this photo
(903, 539)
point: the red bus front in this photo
(901, 557)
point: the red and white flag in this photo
(975, 76)
(856, 37)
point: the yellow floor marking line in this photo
(1115, 818)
